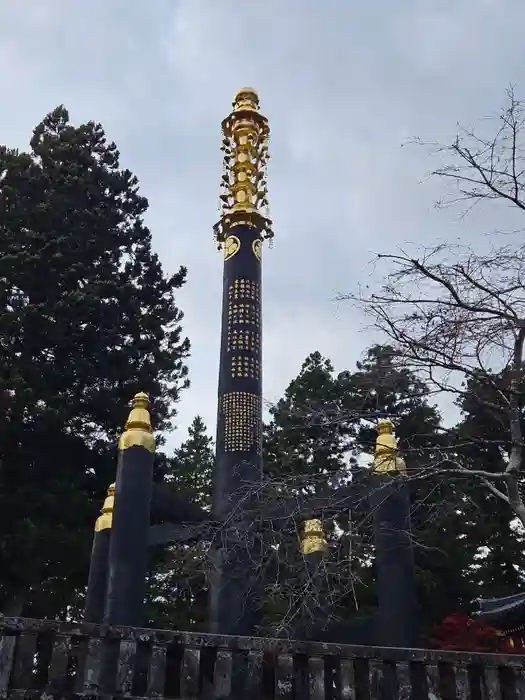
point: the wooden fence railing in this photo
(45, 659)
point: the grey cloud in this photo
(344, 84)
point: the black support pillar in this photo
(128, 552)
(98, 568)
(238, 465)
(396, 588)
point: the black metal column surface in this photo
(98, 567)
(98, 577)
(239, 432)
(396, 587)
(239, 420)
(128, 553)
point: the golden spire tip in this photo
(244, 196)
(139, 418)
(250, 90)
(387, 457)
(105, 520)
(138, 430)
(246, 98)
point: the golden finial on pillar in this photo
(244, 199)
(313, 539)
(105, 520)
(387, 458)
(138, 431)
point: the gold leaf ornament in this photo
(257, 248)
(231, 246)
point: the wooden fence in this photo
(45, 659)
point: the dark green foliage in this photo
(308, 450)
(177, 596)
(178, 587)
(464, 542)
(192, 464)
(87, 318)
(323, 427)
(482, 440)
(383, 388)
(307, 435)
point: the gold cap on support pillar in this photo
(387, 458)
(105, 520)
(138, 431)
(244, 199)
(313, 539)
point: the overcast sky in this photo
(343, 83)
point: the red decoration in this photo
(460, 632)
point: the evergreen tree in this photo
(457, 552)
(192, 464)
(310, 449)
(383, 387)
(87, 318)
(482, 440)
(178, 587)
(304, 436)
(324, 426)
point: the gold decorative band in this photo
(313, 539)
(138, 431)
(136, 438)
(105, 520)
(231, 246)
(387, 458)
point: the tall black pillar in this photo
(128, 551)
(98, 568)
(396, 587)
(240, 233)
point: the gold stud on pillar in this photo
(128, 552)
(98, 568)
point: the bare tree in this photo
(456, 313)
(272, 513)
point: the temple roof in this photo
(507, 613)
